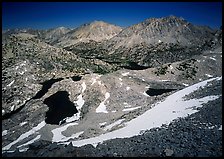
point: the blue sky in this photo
(45, 15)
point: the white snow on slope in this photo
(57, 136)
(212, 58)
(129, 109)
(25, 135)
(161, 113)
(185, 84)
(127, 88)
(12, 108)
(102, 107)
(22, 150)
(30, 142)
(126, 105)
(83, 87)
(4, 132)
(10, 83)
(23, 123)
(220, 128)
(145, 94)
(108, 127)
(208, 75)
(94, 81)
(102, 124)
(76, 135)
(125, 74)
(80, 102)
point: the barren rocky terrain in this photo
(113, 95)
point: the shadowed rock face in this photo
(60, 107)
(134, 66)
(76, 78)
(45, 87)
(155, 92)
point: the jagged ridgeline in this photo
(107, 47)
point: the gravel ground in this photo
(197, 135)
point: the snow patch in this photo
(12, 108)
(94, 81)
(31, 141)
(145, 94)
(185, 84)
(80, 102)
(164, 80)
(126, 105)
(220, 128)
(23, 123)
(57, 136)
(108, 127)
(211, 127)
(120, 79)
(83, 87)
(212, 58)
(143, 79)
(23, 150)
(127, 88)
(10, 83)
(130, 109)
(102, 107)
(25, 135)
(125, 74)
(102, 124)
(208, 75)
(4, 132)
(76, 135)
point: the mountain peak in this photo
(170, 29)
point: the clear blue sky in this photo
(45, 15)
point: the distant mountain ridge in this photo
(171, 38)
(96, 31)
(167, 30)
(170, 29)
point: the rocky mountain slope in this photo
(96, 31)
(27, 62)
(168, 30)
(51, 35)
(96, 97)
(151, 43)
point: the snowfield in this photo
(25, 135)
(163, 112)
(173, 107)
(102, 107)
